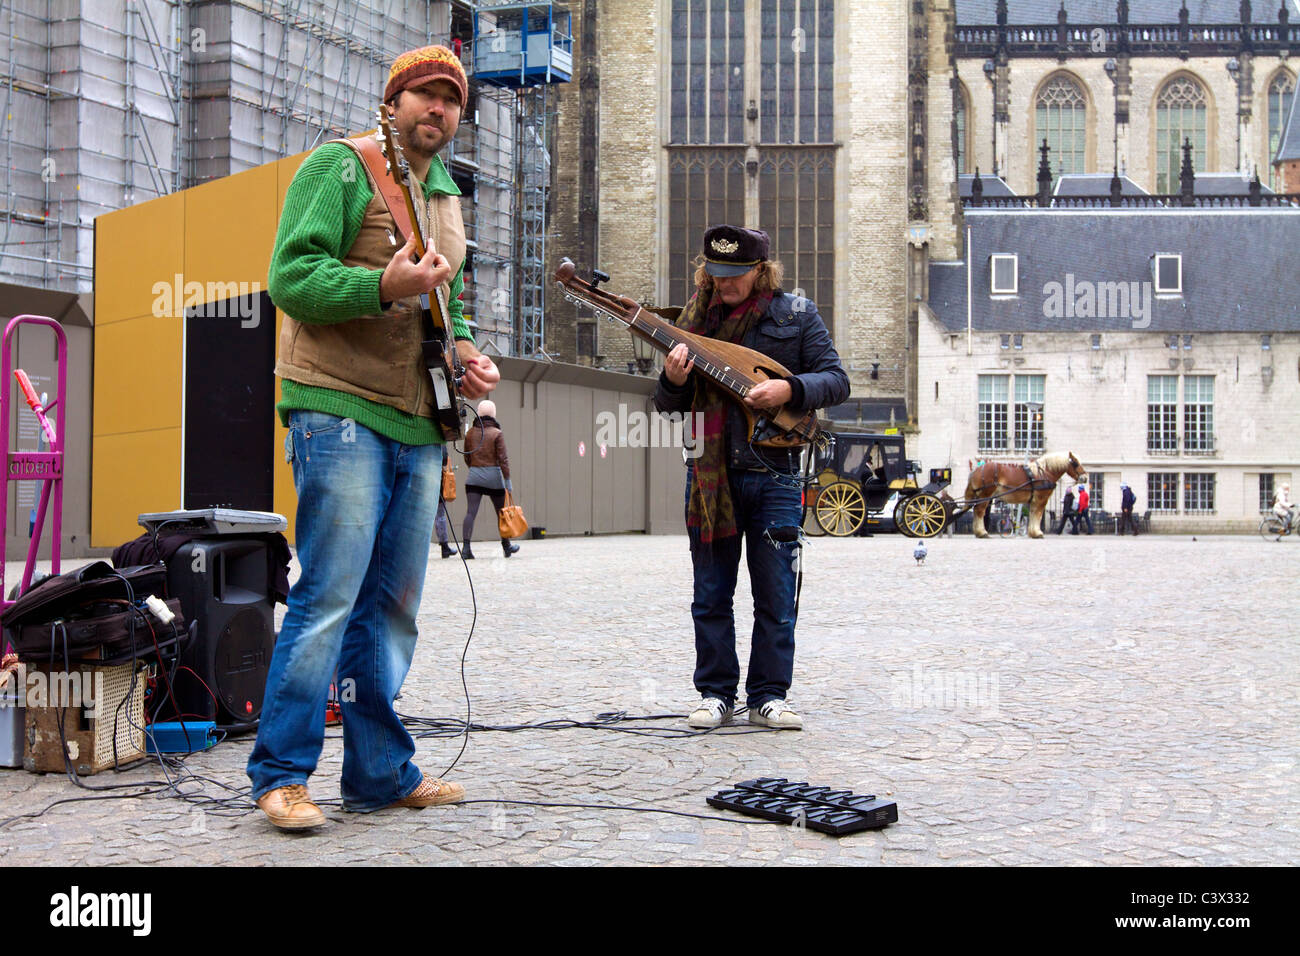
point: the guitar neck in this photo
(707, 360)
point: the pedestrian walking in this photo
(1127, 501)
(489, 474)
(1067, 509)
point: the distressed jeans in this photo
(366, 507)
(766, 513)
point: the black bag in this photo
(89, 613)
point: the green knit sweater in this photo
(323, 212)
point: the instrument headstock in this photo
(618, 307)
(391, 146)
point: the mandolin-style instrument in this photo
(438, 347)
(733, 368)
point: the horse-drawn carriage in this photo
(864, 483)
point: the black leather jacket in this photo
(793, 334)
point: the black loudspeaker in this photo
(223, 583)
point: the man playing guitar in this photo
(366, 448)
(736, 489)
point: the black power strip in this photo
(823, 809)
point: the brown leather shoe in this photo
(290, 808)
(432, 793)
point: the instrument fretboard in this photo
(724, 375)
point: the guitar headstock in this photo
(618, 307)
(391, 146)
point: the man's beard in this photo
(427, 141)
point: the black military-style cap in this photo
(733, 251)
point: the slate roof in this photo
(981, 12)
(1094, 184)
(1289, 146)
(1226, 184)
(992, 185)
(1239, 273)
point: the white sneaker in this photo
(710, 713)
(778, 714)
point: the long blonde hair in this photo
(770, 274)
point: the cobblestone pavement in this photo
(1101, 701)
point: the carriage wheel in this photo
(921, 516)
(841, 509)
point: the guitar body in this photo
(754, 367)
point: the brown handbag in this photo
(511, 522)
(448, 484)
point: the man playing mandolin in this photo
(734, 490)
(366, 448)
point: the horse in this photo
(1017, 484)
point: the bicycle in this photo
(1012, 522)
(1275, 528)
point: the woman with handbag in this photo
(489, 474)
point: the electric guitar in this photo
(733, 368)
(438, 347)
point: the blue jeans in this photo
(766, 513)
(366, 506)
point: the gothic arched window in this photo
(1181, 111)
(959, 116)
(1061, 118)
(1280, 92)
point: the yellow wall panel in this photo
(135, 248)
(132, 474)
(285, 498)
(230, 228)
(285, 168)
(137, 376)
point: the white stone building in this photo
(1161, 346)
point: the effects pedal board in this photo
(836, 812)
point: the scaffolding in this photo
(523, 48)
(92, 107)
(108, 104)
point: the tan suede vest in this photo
(376, 356)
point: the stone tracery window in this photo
(1061, 114)
(960, 113)
(1181, 111)
(1280, 92)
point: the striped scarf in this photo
(711, 513)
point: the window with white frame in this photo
(993, 391)
(1162, 414)
(1265, 493)
(1029, 413)
(1004, 274)
(1167, 269)
(1198, 413)
(1162, 492)
(1198, 493)
(1097, 489)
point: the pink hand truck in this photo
(42, 466)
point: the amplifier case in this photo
(109, 734)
